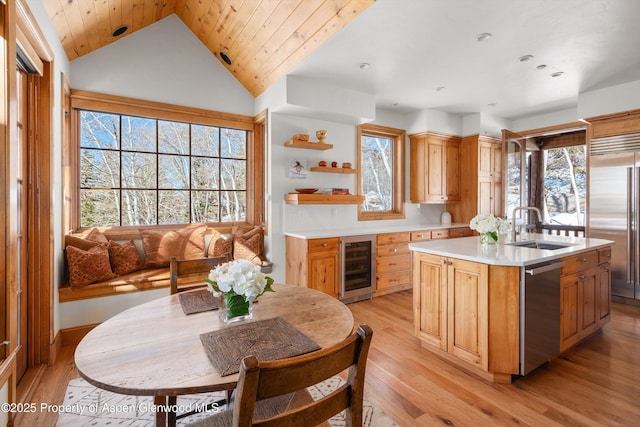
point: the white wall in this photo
(164, 62)
(609, 100)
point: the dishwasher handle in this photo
(544, 268)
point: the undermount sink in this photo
(540, 244)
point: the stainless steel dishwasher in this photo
(540, 316)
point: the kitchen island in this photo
(501, 310)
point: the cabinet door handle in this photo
(395, 250)
(325, 244)
(583, 260)
(443, 261)
(582, 277)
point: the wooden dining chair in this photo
(264, 392)
(188, 274)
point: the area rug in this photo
(86, 405)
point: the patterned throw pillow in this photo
(248, 249)
(160, 245)
(247, 233)
(220, 245)
(124, 258)
(86, 267)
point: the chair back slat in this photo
(195, 269)
(276, 380)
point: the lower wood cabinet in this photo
(393, 262)
(314, 263)
(585, 284)
(469, 311)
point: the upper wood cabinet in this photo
(481, 189)
(434, 168)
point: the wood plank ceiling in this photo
(264, 39)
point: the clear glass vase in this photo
(490, 238)
(235, 308)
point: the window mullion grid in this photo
(120, 193)
(157, 154)
(190, 160)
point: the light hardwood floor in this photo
(595, 384)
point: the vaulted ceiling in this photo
(258, 41)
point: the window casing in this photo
(146, 164)
(381, 172)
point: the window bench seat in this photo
(141, 280)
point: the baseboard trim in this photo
(30, 382)
(73, 336)
(54, 348)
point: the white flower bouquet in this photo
(240, 283)
(489, 227)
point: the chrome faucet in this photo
(523, 208)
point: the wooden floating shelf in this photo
(332, 170)
(309, 145)
(323, 199)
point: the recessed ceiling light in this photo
(493, 104)
(440, 88)
(225, 57)
(525, 58)
(364, 65)
(557, 74)
(120, 30)
(483, 37)
(541, 67)
(394, 105)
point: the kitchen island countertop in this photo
(502, 253)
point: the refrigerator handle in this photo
(636, 219)
(630, 226)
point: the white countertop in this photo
(369, 229)
(470, 249)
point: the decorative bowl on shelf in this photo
(306, 190)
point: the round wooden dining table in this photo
(154, 349)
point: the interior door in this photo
(21, 222)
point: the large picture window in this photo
(159, 169)
(381, 177)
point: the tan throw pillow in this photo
(96, 235)
(124, 258)
(248, 249)
(160, 245)
(86, 267)
(79, 242)
(220, 245)
(87, 241)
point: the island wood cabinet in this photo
(393, 262)
(481, 188)
(314, 263)
(434, 168)
(469, 312)
(585, 283)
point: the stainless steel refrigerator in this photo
(614, 208)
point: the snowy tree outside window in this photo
(381, 172)
(145, 171)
